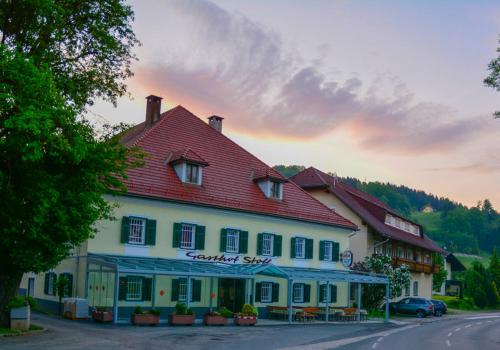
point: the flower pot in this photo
(20, 318)
(214, 320)
(145, 319)
(181, 320)
(245, 320)
(102, 316)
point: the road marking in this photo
(489, 321)
(448, 343)
(482, 317)
(341, 342)
(380, 339)
(450, 334)
(457, 329)
(467, 325)
(374, 345)
(478, 323)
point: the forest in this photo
(453, 225)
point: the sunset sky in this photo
(378, 90)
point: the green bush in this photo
(182, 309)
(249, 310)
(138, 310)
(225, 312)
(19, 301)
(154, 312)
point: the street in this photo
(469, 331)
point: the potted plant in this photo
(183, 316)
(247, 316)
(217, 318)
(20, 312)
(150, 317)
(102, 314)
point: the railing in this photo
(415, 266)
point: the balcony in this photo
(415, 266)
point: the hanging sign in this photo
(346, 258)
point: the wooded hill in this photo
(454, 226)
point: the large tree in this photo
(56, 58)
(493, 79)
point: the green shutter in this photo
(176, 239)
(276, 292)
(199, 242)
(54, 283)
(125, 229)
(122, 288)
(321, 250)
(175, 290)
(322, 290)
(196, 290)
(46, 284)
(333, 293)
(307, 293)
(260, 239)
(309, 248)
(150, 232)
(146, 288)
(258, 287)
(277, 239)
(335, 251)
(243, 242)
(68, 292)
(223, 240)
(292, 248)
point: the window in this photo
(378, 247)
(267, 244)
(415, 288)
(134, 288)
(298, 292)
(427, 259)
(418, 257)
(275, 190)
(400, 252)
(137, 231)
(328, 251)
(232, 243)
(407, 290)
(192, 173)
(266, 292)
(187, 236)
(409, 253)
(50, 283)
(182, 289)
(389, 249)
(300, 248)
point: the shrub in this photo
(154, 312)
(17, 302)
(183, 309)
(225, 312)
(31, 301)
(249, 310)
(138, 310)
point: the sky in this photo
(385, 91)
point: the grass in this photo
(431, 221)
(483, 258)
(10, 332)
(456, 303)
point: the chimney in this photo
(153, 108)
(215, 122)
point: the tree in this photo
(56, 57)
(480, 286)
(62, 285)
(493, 79)
(439, 277)
(495, 268)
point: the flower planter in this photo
(214, 320)
(245, 320)
(102, 316)
(145, 319)
(20, 318)
(181, 320)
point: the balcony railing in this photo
(415, 266)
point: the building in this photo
(206, 223)
(382, 230)
(451, 286)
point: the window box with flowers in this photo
(183, 316)
(149, 318)
(217, 318)
(247, 316)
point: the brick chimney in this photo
(215, 122)
(153, 108)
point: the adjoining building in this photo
(206, 223)
(452, 286)
(382, 229)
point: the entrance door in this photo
(232, 293)
(31, 286)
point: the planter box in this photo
(20, 318)
(181, 320)
(145, 319)
(245, 320)
(102, 316)
(211, 320)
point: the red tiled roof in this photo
(369, 208)
(227, 182)
(186, 155)
(268, 173)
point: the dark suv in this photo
(413, 306)
(440, 307)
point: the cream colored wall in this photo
(107, 240)
(424, 284)
(360, 243)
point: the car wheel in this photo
(420, 314)
(438, 313)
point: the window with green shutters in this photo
(269, 244)
(180, 290)
(68, 290)
(188, 236)
(135, 288)
(267, 292)
(233, 241)
(301, 293)
(301, 248)
(49, 286)
(136, 230)
(333, 293)
(329, 251)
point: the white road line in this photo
(448, 343)
(380, 339)
(374, 345)
(478, 323)
(341, 342)
(457, 329)
(489, 321)
(482, 317)
(467, 325)
(450, 334)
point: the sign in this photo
(346, 258)
(235, 259)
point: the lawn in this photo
(467, 260)
(9, 332)
(456, 303)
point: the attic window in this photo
(269, 182)
(275, 190)
(192, 173)
(188, 166)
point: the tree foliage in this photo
(480, 286)
(493, 79)
(439, 277)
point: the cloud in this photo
(239, 69)
(488, 164)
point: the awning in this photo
(177, 267)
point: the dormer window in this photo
(188, 166)
(276, 188)
(270, 183)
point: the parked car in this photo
(413, 306)
(440, 307)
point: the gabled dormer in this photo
(270, 182)
(188, 166)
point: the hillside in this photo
(451, 224)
